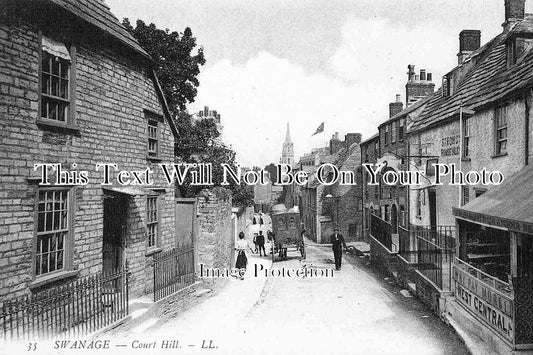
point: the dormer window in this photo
(517, 47)
(446, 85)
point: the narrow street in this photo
(356, 312)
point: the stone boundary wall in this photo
(215, 241)
(381, 258)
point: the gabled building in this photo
(78, 90)
(390, 149)
(325, 206)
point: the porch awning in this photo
(55, 48)
(509, 205)
(129, 190)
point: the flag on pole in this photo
(320, 129)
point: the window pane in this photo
(55, 66)
(63, 92)
(45, 83)
(44, 263)
(52, 110)
(44, 108)
(64, 69)
(45, 64)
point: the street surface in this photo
(356, 312)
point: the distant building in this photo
(324, 207)
(215, 116)
(287, 154)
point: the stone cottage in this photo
(78, 90)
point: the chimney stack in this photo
(352, 138)
(469, 41)
(335, 144)
(395, 107)
(514, 11)
(418, 86)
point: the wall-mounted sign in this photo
(485, 303)
(450, 145)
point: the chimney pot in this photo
(417, 77)
(395, 107)
(423, 74)
(410, 72)
(398, 98)
(429, 77)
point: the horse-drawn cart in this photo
(287, 235)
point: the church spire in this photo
(287, 154)
(288, 134)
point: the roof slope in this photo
(99, 14)
(489, 80)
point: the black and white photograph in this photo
(266, 177)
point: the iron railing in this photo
(430, 262)
(443, 236)
(76, 308)
(173, 270)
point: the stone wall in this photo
(349, 212)
(215, 240)
(381, 258)
(110, 93)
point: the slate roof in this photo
(368, 140)
(97, 13)
(487, 81)
(406, 111)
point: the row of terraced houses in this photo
(466, 250)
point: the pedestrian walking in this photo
(261, 243)
(241, 246)
(255, 243)
(337, 242)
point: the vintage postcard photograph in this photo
(266, 177)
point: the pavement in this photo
(354, 312)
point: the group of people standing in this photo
(336, 239)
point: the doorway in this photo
(185, 221)
(394, 218)
(115, 222)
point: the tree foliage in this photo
(200, 147)
(176, 65)
(177, 68)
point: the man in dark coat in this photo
(337, 242)
(261, 243)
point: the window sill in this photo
(153, 251)
(154, 159)
(465, 159)
(499, 155)
(43, 280)
(44, 123)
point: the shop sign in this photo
(485, 304)
(450, 145)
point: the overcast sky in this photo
(270, 62)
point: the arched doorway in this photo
(394, 219)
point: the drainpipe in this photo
(527, 130)
(460, 149)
